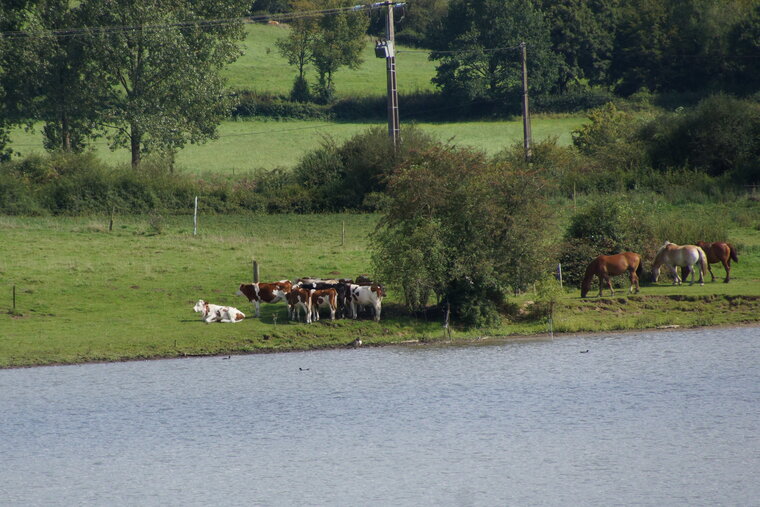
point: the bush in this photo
(339, 177)
(720, 135)
(609, 225)
(467, 227)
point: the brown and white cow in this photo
(266, 292)
(299, 298)
(324, 298)
(362, 295)
(215, 313)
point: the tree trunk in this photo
(135, 139)
(65, 132)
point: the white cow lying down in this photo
(215, 313)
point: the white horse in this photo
(673, 255)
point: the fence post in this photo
(195, 217)
(559, 272)
(14, 296)
(255, 272)
(343, 233)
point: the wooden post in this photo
(394, 125)
(14, 296)
(110, 222)
(559, 271)
(343, 233)
(195, 217)
(526, 114)
(255, 272)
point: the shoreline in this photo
(460, 342)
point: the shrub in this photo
(466, 227)
(720, 135)
(607, 226)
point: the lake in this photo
(649, 418)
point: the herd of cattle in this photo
(344, 298)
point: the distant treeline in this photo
(623, 45)
(706, 152)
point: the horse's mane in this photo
(663, 248)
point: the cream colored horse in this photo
(673, 255)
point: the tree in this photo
(464, 227)
(676, 46)
(478, 50)
(339, 42)
(298, 48)
(582, 32)
(156, 65)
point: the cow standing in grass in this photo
(324, 298)
(366, 295)
(299, 298)
(266, 292)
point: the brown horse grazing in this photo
(719, 252)
(605, 266)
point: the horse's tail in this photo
(640, 268)
(732, 252)
(703, 261)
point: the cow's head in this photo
(200, 306)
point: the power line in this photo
(287, 16)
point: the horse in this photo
(719, 252)
(673, 255)
(605, 266)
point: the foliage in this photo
(610, 139)
(582, 33)
(609, 225)
(348, 176)
(338, 43)
(160, 88)
(478, 47)
(484, 231)
(720, 135)
(681, 45)
(298, 46)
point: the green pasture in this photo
(247, 145)
(86, 294)
(262, 68)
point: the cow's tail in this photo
(732, 252)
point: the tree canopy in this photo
(478, 49)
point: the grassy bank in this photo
(86, 294)
(265, 144)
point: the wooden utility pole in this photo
(526, 114)
(387, 50)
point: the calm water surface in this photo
(666, 418)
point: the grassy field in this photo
(262, 68)
(251, 144)
(86, 294)
(265, 144)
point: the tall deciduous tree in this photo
(478, 50)
(298, 47)
(338, 43)
(47, 81)
(583, 33)
(156, 64)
